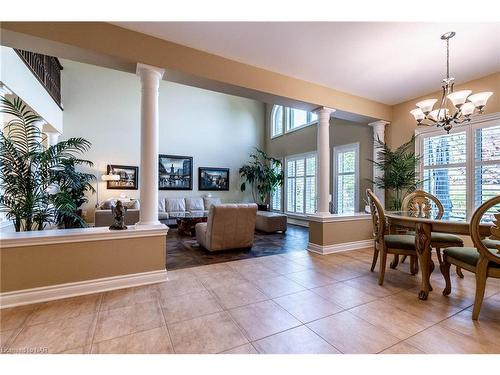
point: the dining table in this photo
(424, 223)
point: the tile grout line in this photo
(96, 323)
(166, 325)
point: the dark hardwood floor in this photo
(183, 252)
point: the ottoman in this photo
(270, 222)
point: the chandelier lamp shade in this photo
(464, 102)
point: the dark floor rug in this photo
(183, 252)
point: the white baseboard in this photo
(300, 222)
(337, 248)
(53, 292)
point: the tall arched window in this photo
(277, 120)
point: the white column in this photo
(323, 152)
(148, 174)
(52, 138)
(378, 133)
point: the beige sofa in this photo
(166, 208)
(229, 226)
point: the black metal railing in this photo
(47, 69)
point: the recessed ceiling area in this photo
(384, 61)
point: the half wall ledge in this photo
(53, 264)
(336, 233)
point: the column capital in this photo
(379, 123)
(143, 70)
(324, 110)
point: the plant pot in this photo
(263, 207)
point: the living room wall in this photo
(342, 132)
(217, 130)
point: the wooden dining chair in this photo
(482, 259)
(384, 243)
(421, 201)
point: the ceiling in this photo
(383, 61)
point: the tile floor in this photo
(294, 302)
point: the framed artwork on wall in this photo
(129, 177)
(213, 179)
(175, 172)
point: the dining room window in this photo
(300, 184)
(277, 194)
(462, 169)
(287, 119)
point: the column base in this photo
(151, 224)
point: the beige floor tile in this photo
(154, 341)
(369, 284)
(350, 334)
(307, 306)
(243, 349)
(184, 273)
(278, 286)
(15, 317)
(126, 320)
(125, 297)
(402, 348)
(484, 329)
(79, 350)
(311, 278)
(429, 310)
(257, 272)
(401, 323)
(282, 266)
(65, 308)
(344, 295)
(336, 259)
(207, 334)
(178, 287)
(439, 340)
(346, 270)
(296, 255)
(189, 306)
(263, 319)
(222, 278)
(210, 269)
(231, 296)
(5, 338)
(300, 340)
(57, 336)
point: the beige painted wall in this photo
(338, 232)
(36, 266)
(342, 132)
(217, 130)
(403, 124)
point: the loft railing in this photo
(47, 69)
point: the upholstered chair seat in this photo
(437, 237)
(469, 255)
(400, 241)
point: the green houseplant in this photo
(35, 181)
(399, 168)
(264, 173)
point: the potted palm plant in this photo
(35, 179)
(399, 168)
(265, 174)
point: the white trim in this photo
(336, 217)
(337, 248)
(336, 151)
(56, 236)
(53, 292)
(298, 221)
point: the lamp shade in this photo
(480, 99)
(426, 105)
(458, 98)
(439, 114)
(467, 109)
(418, 114)
(110, 177)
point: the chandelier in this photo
(463, 102)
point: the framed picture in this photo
(175, 172)
(129, 177)
(213, 178)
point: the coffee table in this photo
(186, 222)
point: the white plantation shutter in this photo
(276, 197)
(345, 179)
(462, 169)
(486, 164)
(445, 162)
(301, 184)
